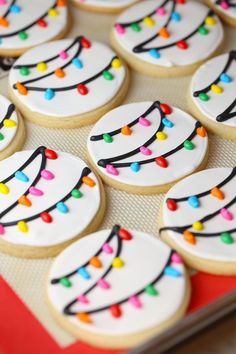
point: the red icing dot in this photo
(46, 217)
(161, 161)
(85, 42)
(82, 89)
(41, 23)
(115, 311)
(182, 45)
(50, 154)
(165, 108)
(180, 2)
(124, 235)
(171, 204)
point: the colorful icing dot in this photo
(85, 43)
(115, 311)
(95, 262)
(225, 78)
(48, 175)
(62, 207)
(49, 94)
(167, 123)
(119, 29)
(23, 35)
(203, 96)
(182, 44)
(171, 204)
(201, 131)
(63, 55)
(15, 9)
(83, 273)
(22, 90)
(116, 63)
(22, 226)
(217, 193)
(3, 2)
(59, 73)
(197, 225)
(77, 63)
(203, 30)
(76, 193)
(21, 176)
(9, 123)
(172, 272)
(160, 11)
(50, 154)
(82, 89)
(107, 248)
(41, 23)
(23, 200)
(24, 71)
(161, 136)
(210, 21)
(226, 214)
(82, 299)
(65, 282)
(144, 122)
(46, 217)
(125, 235)
(135, 302)
(166, 109)
(161, 162)
(41, 66)
(88, 181)
(193, 201)
(150, 290)
(112, 170)
(164, 33)
(60, 3)
(216, 89)
(2, 230)
(126, 130)
(117, 262)
(1, 136)
(3, 22)
(135, 166)
(175, 16)
(226, 238)
(188, 237)
(52, 12)
(154, 53)
(107, 75)
(175, 258)
(148, 21)
(103, 284)
(35, 191)
(145, 151)
(84, 317)
(4, 189)
(188, 145)
(135, 27)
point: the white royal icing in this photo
(144, 259)
(70, 102)
(7, 129)
(64, 226)
(217, 103)
(180, 163)
(208, 248)
(26, 21)
(199, 46)
(113, 4)
(226, 7)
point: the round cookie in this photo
(163, 38)
(213, 95)
(145, 147)
(117, 288)
(199, 220)
(25, 24)
(12, 130)
(48, 199)
(105, 7)
(226, 9)
(68, 83)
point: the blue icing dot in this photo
(193, 201)
(49, 94)
(225, 78)
(15, 9)
(84, 273)
(175, 17)
(154, 53)
(62, 207)
(77, 63)
(135, 167)
(21, 176)
(172, 272)
(167, 123)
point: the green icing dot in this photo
(107, 75)
(135, 27)
(24, 71)
(76, 193)
(23, 35)
(203, 96)
(188, 145)
(150, 290)
(65, 282)
(203, 30)
(1, 136)
(107, 138)
(226, 238)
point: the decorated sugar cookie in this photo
(167, 37)
(226, 9)
(48, 199)
(25, 24)
(68, 83)
(107, 6)
(145, 147)
(12, 130)
(213, 94)
(117, 288)
(199, 220)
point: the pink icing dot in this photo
(145, 151)
(226, 214)
(134, 301)
(102, 283)
(175, 258)
(143, 121)
(63, 55)
(48, 175)
(2, 2)
(112, 170)
(82, 299)
(35, 191)
(224, 5)
(119, 29)
(160, 11)
(107, 248)
(2, 230)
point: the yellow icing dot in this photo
(216, 89)
(210, 21)
(52, 12)
(22, 227)
(161, 136)
(9, 123)
(148, 21)
(4, 189)
(198, 226)
(116, 63)
(41, 66)
(117, 262)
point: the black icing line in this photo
(227, 114)
(45, 14)
(60, 89)
(203, 194)
(135, 121)
(8, 9)
(105, 162)
(10, 110)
